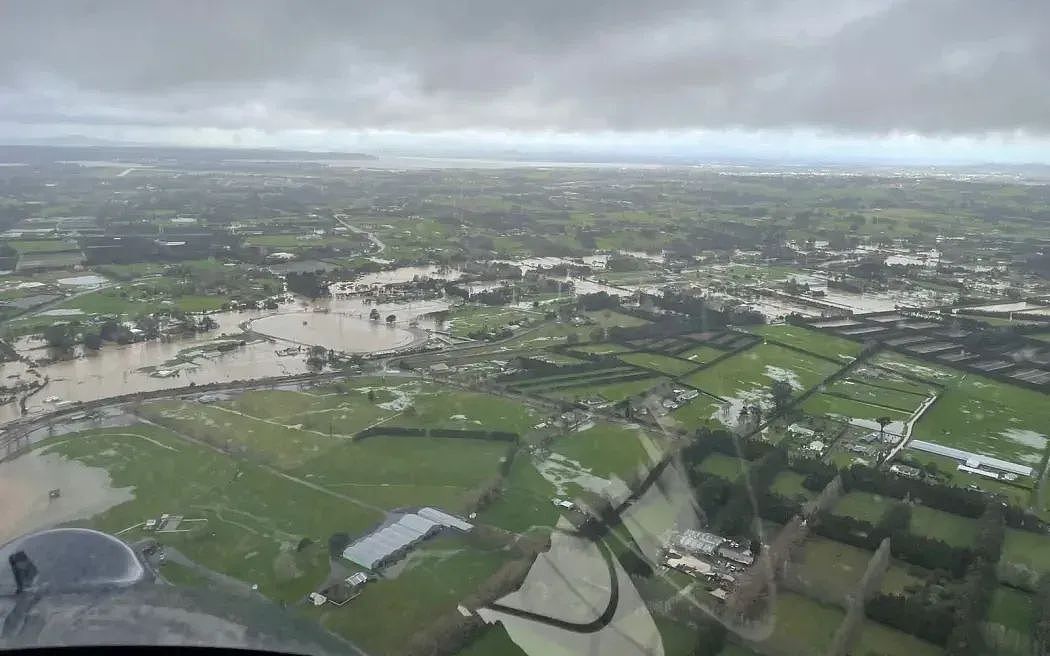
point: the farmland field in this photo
(915, 368)
(821, 405)
(888, 379)
(829, 346)
(659, 363)
(254, 516)
(880, 640)
(803, 626)
(829, 570)
(757, 367)
(525, 501)
(1028, 550)
(493, 642)
(953, 529)
(746, 378)
(864, 506)
(701, 354)
(701, 411)
(435, 580)
(468, 319)
(601, 348)
(341, 413)
(990, 418)
(901, 401)
(614, 392)
(723, 466)
(398, 471)
(1010, 622)
(608, 449)
(788, 484)
(898, 578)
(433, 407)
(42, 245)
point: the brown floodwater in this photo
(25, 483)
(116, 370)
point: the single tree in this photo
(781, 391)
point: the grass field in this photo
(468, 319)
(525, 501)
(121, 301)
(601, 348)
(828, 569)
(1013, 609)
(821, 405)
(888, 379)
(863, 506)
(436, 579)
(802, 626)
(906, 366)
(723, 466)
(255, 517)
(829, 346)
(991, 418)
(678, 639)
(273, 442)
(433, 406)
(901, 401)
(338, 413)
(608, 449)
(42, 245)
(610, 318)
(899, 578)
(746, 379)
(388, 472)
(788, 484)
(1029, 550)
(394, 472)
(880, 640)
(701, 354)
(493, 642)
(662, 364)
(952, 529)
(1009, 626)
(755, 369)
(558, 378)
(610, 392)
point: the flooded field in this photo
(25, 485)
(341, 332)
(147, 366)
(399, 275)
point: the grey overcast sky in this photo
(940, 77)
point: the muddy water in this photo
(25, 483)
(117, 370)
(342, 332)
(401, 274)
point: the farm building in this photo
(974, 463)
(394, 540)
(701, 543)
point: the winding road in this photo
(380, 246)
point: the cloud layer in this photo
(931, 67)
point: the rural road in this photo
(380, 246)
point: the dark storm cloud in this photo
(864, 66)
